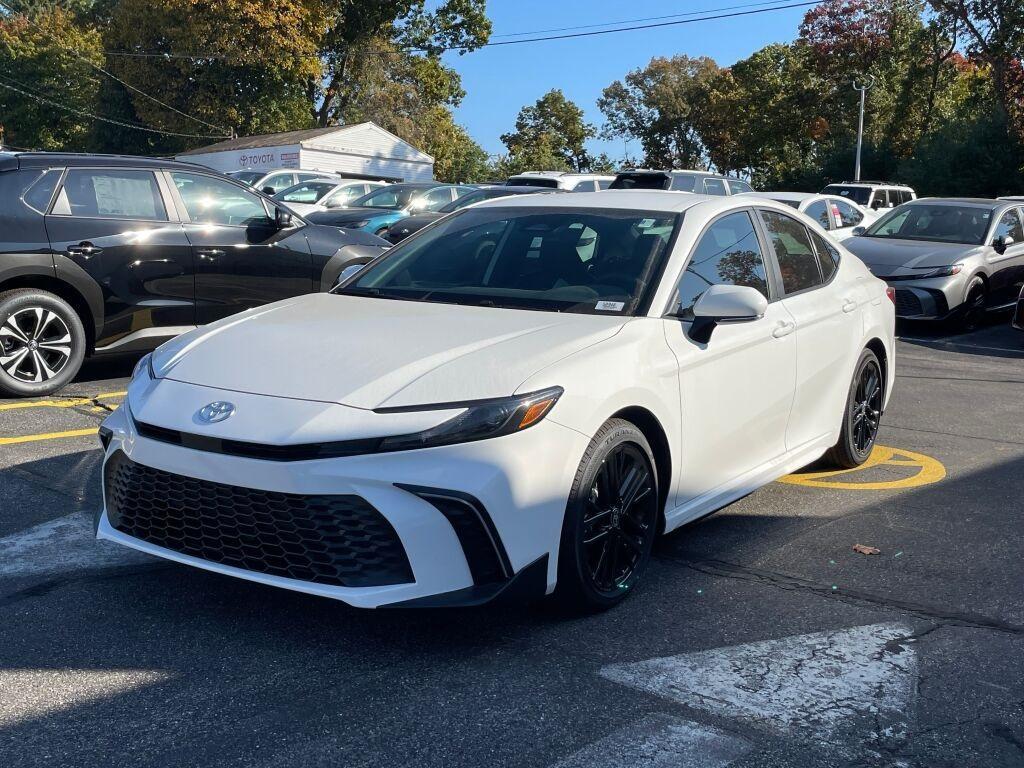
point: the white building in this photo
(364, 150)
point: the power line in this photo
(119, 80)
(110, 120)
(756, 8)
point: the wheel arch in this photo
(65, 291)
(877, 346)
(651, 427)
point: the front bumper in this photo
(934, 298)
(476, 521)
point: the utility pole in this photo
(863, 88)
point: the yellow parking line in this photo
(48, 436)
(68, 403)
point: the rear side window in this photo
(604, 183)
(532, 181)
(715, 187)
(820, 213)
(682, 182)
(634, 180)
(728, 253)
(798, 262)
(40, 193)
(110, 194)
(848, 215)
(828, 257)
(739, 187)
(585, 186)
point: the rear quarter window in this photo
(40, 193)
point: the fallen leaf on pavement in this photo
(866, 550)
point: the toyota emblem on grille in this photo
(215, 412)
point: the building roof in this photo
(266, 140)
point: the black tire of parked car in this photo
(973, 313)
(862, 414)
(611, 520)
(42, 342)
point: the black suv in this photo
(103, 253)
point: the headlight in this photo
(481, 419)
(355, 224)
(145, 364)
(952, 269)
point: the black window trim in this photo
(767, 253)
(170, 212)
(775, 261)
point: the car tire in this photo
(972, 314)
(861, 415)
(42, 343)
(607, 538)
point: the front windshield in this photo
(859, 195)
(553, 259)
(247, 176)
(305, 192)
(965, 224)
(393, 198)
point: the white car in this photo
(570, 182)
(872, 195)
(272, 182)
(324, 194)
(513, 402)
(835, 215)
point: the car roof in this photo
(869, 184)
(80, 159)
(617, 199)
(558, 175)
(978, 201)
(794, 196)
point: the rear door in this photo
(118, 224)
(828, 325)
(242, 258)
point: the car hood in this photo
(367, 352)
(884, 256)
(339, 215)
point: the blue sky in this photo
(500, 81)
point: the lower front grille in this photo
(907, 303)
(334, 540)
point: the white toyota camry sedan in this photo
(513, 402)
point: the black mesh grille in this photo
(336, 540)
(907, 304)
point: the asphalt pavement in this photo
(760, 637)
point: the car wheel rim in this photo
(867, 408)
(618, 520)
(35, 345)
(975, 307)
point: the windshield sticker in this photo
(645, 224)
(610, 306)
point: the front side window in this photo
(848, 215)
(818, 211)
(111, 194)
(304, 192)
(1009, 226)
(562, 260)
(728, 253)
(434, 200)
(715, 187)
(739, 187)
(965, 224)
(828, 256)
(216, 201)
(277, 181)
(392, 198)
(343, 196)
(797, 260)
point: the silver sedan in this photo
(947, 258)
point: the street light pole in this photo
(863, 88)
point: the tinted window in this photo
(585, 186)
(905, 196)
(798, 262)
(828, 256)
(820, 213)
(965, 224)
(531, 181)
(604, 183)
(715, 187)
(39, 194)
(1009, 226)
(572, 260)
(112, 194)
(640, 180)
(434, 200)
(277, 181)
(249, 177)
(393, 197)
(305, 192)
(859, 195)
(215, 201)
(738, 187)
(682, 182)
(343, 196)
(728, 253)
(848, 215)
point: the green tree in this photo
(553, 132)
(659, 106)
(44, 89)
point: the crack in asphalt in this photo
(790, 583)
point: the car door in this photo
(119, 226)
(243, 259)
(735, 391)
(828, 325)
(1007, 268)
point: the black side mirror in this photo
(268, 190)
(1001, 243)
(282, 219)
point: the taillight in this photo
(891, 293)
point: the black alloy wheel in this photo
(862, 416)
(611, 519)
(973, 312)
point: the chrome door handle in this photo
(85, 249)
(210, 254)
(849, 305)
(783, 329)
